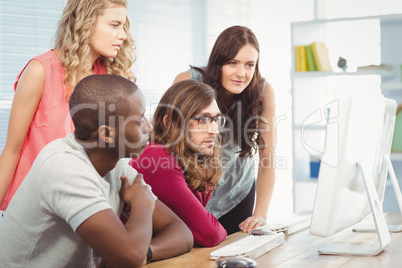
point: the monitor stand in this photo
(364, 227)
(379, 221)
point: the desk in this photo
(300, 250)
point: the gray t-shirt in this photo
(59, 193)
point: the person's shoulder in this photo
(153, 150)
(156, 150)
(268, 96)
(157, 156)
(182, 76)
(35, 65)
(52, 54)
(38, 63)
(267, 89)
(63, 148)
(62, 160)
(35, 68)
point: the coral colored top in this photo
(51, 121)
(166, 177)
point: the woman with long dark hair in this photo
(248, 100)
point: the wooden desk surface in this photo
(300, 250)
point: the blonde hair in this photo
(74, 34)
(179, 103)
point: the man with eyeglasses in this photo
(182, 164)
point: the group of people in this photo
(68, 196)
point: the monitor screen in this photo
(359, 133)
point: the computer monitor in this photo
(352, 173)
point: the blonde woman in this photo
(93, 37)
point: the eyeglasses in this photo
(204, 122)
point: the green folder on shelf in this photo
(311, 65)
(397, 138)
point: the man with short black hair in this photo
(68, 205)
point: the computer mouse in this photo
(235, 262)
(261, 231)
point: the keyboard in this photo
(289, 225)
(251, 246)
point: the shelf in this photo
(383, 73)
(313, 91)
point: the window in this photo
(26, 30)
(171, 35)
(163, 31)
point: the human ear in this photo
(165, 120)
(107, 134)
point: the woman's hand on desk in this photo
(251, 223)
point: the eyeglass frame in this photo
(210, 119)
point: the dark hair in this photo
(96, 99)
(179, 103)
(249, 102)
